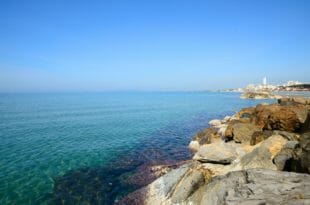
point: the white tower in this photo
(264, 81)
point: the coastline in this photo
(160, 130)
(242, 150)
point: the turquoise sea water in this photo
(49, 141)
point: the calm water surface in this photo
(52, 143)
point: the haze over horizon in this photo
(51, 46)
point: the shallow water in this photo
(74, 148)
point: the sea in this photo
(79, 148)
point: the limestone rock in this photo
(218, 153)
(255, 186)
(194, 145)
(246, 112)
(206, 136)
(226, 119)
(215, 123)
(242, 132)
(294, 101)
(189, 183)
(262, 156)
(305, 154)
(288, 158)
(276, 117)
(288, 135)
(222, 130)
(259, 136)
(295, 156)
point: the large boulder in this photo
(255, 186)
(242, 132)
(259, 136)
(277, 117)
(288, 159)
(262, 156)
(229, 130)
(189, 183)
(295, 155)
(218, 153)
(246, 113)
(204, 137)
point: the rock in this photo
(262, 156)
(306, 126)
(259, 95)
(189, 183)
(216, 169)
(288, 135)
(269, 137)
(215, 123)
(145, 174)
(206, 136)
(222, 130)
(259, 136)
(305, 154)
(276, 117)
(217, 153)
(194, 145)
(158, 191)
(242, 132)
(292, 101)
(255, 186)
(291, 145)
(295, 156)
(246, 112)
(226, 119)
(287, 158)
(171, 188)
(229, 129)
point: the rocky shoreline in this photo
(261, 155)
(259, 95)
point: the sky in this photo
(151, 45)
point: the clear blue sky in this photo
(50, 45)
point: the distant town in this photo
(265, 87)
